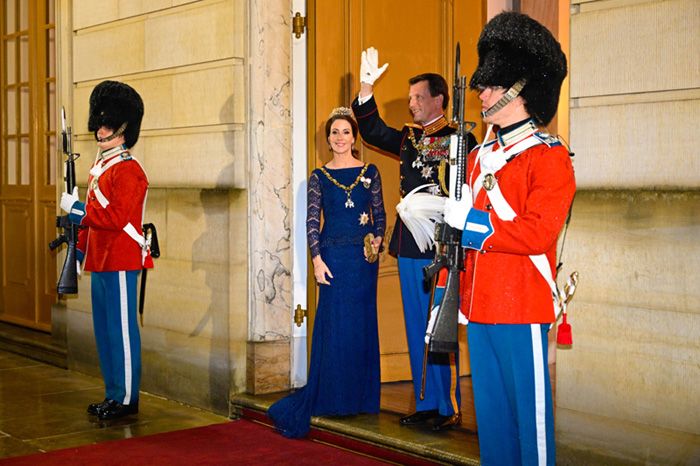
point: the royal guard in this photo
(111, 244)
(519, 188)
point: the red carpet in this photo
(233, 443)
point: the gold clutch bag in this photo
(370, 255)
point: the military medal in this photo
(489, 182)
(430, 148)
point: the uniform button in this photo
(482, 251)
(400, 162)
(402, 177)
(490, 246)
(489, 207)
(470, 243)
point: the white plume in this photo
(420, 211)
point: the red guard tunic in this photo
(118, 201)
(501, 284)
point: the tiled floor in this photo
(42, 408)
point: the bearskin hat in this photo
(112, 104)
(514, 46)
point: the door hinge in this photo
(299, 315)
(298, 25)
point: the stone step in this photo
(32, 344)
(379, 435)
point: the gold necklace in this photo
(348, 189)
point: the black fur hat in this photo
(514, 46)
(112, 104)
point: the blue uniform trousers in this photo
(441, 381)
(512, 393)
(117, 333)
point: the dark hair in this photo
(353, 125)
(436, 84)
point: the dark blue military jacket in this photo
(421, 151)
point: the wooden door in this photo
(27, 162)
(413, 36)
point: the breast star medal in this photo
(364, 218)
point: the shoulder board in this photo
(548, 139)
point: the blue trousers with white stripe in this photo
(441, 381)
(117, 333)
(512, 393)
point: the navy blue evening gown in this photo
(344, 371)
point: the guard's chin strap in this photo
(506, 99)
(114, 135)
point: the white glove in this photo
(67, 200)
(456, 211)
(369, 66)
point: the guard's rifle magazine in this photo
(68, 281)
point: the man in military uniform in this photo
(519, 188)
(423, 149)
(111, 244)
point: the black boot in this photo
(94, 408)
(115, 410)
(447, 422)
(419, 417)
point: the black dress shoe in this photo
(447, 422)
(419, 417)
(115, 410)
(93, 408)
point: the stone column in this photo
(270, 196)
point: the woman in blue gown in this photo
(344, 371)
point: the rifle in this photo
(441, 336)
(68, 281)
(441, 332)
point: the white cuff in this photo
(361, 100)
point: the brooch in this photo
(366, 182)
